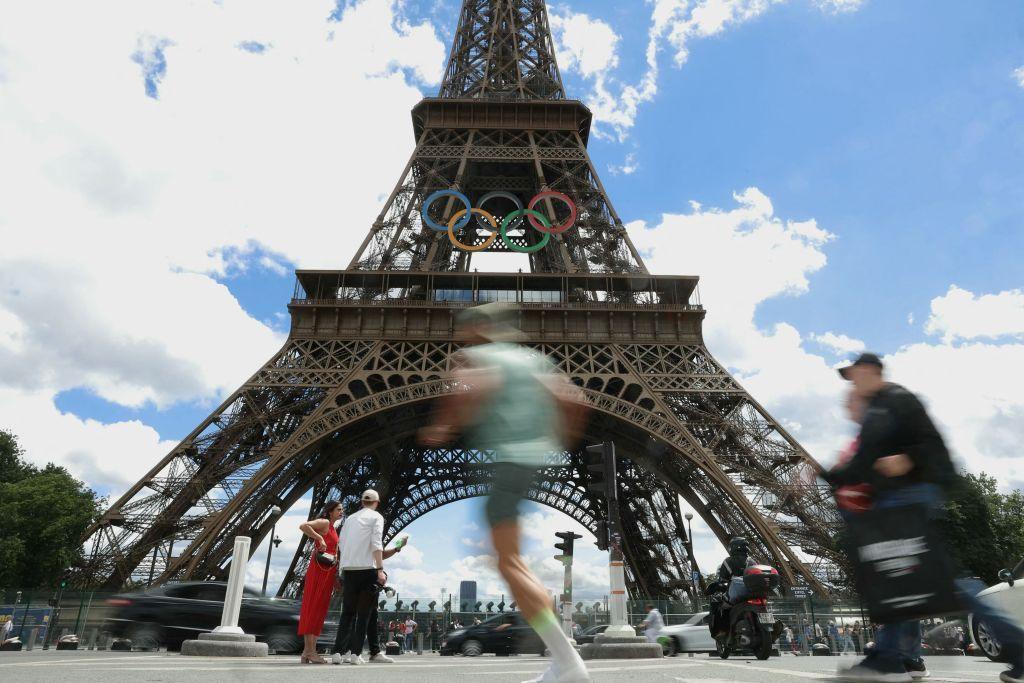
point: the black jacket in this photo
(896, 422)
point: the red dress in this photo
(316, 595)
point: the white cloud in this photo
(840, 344)
(152, 154)
(960, 314)
(1018, 75)
(590, 47)
(972, 389)
(839, 6)
(629, 166)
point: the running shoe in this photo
(875, 669)
(1012, 676)
(381, 658)
(338, 658)
(916, 668)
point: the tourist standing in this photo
(410, 631)
(320, 579)
(362, 565)
(515, 407)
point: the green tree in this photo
(43, 514)
(985, 528)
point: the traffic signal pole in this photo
(565, 557)
(600, 460)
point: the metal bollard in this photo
(90, 642)
(32, 635)
(419, 643)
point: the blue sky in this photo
(895, 128)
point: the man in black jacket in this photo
(902, 456)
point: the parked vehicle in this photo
(590, 633)
(1008, 596)
(503, 634)
(694, 635)
(170, 614)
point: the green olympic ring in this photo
(525, 212)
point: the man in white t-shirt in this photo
(653, 624)
(361, 561)
(410, 629)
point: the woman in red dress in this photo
(319, 586)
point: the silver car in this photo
(1008, 596)
(692, 636)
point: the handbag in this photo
(903, 569)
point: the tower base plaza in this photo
(111, 667)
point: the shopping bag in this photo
(904, 571)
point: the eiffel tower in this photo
(335, 411)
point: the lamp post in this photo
(275, 512)
(689, 547)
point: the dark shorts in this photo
(511, 484)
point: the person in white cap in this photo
(361, 561)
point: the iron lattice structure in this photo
(335, 411)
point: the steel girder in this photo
(365, 399)
(503, 50)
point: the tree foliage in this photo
(43, 514)
(985, 528)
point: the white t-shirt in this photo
(410, 626)
(653, 623)
(361, 534)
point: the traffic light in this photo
(600, 462)
(602, 534)
(566, 546)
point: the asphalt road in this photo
(112, 667)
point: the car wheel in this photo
(987, 641)
(283, 640)
(145, 636)
(472, 648)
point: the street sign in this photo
(696, 577)
(801, 592)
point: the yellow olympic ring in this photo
(488, 242)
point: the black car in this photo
(590, 633)
(503, 634)
(176, 612)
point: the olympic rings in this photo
(531, 213)
(500, 195)
(482, 214)
(488, 221)
(446, 193)
(558, 229)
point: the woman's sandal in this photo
(312, 659)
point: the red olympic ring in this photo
(555, 229)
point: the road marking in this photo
(832, 676)
(71, 661)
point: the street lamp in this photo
(693, 559)
(275, 512)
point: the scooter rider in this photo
(733, 567)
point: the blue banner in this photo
(36, 617)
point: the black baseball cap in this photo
(862, 359)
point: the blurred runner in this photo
(515, 406)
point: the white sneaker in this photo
(573, 674)
(338, 658)
(356, 659)
(381, 658)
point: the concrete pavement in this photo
(115, 667)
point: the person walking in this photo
(410, 631)
(320, 579)
(362, 565)
(652, 624)
(903, 458)
(517, 408)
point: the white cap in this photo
(371, 495)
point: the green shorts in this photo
(511, 484)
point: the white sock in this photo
(550, 631)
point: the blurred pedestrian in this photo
(321, 576)
(652, 624)
(903, 458)
(509, 402)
